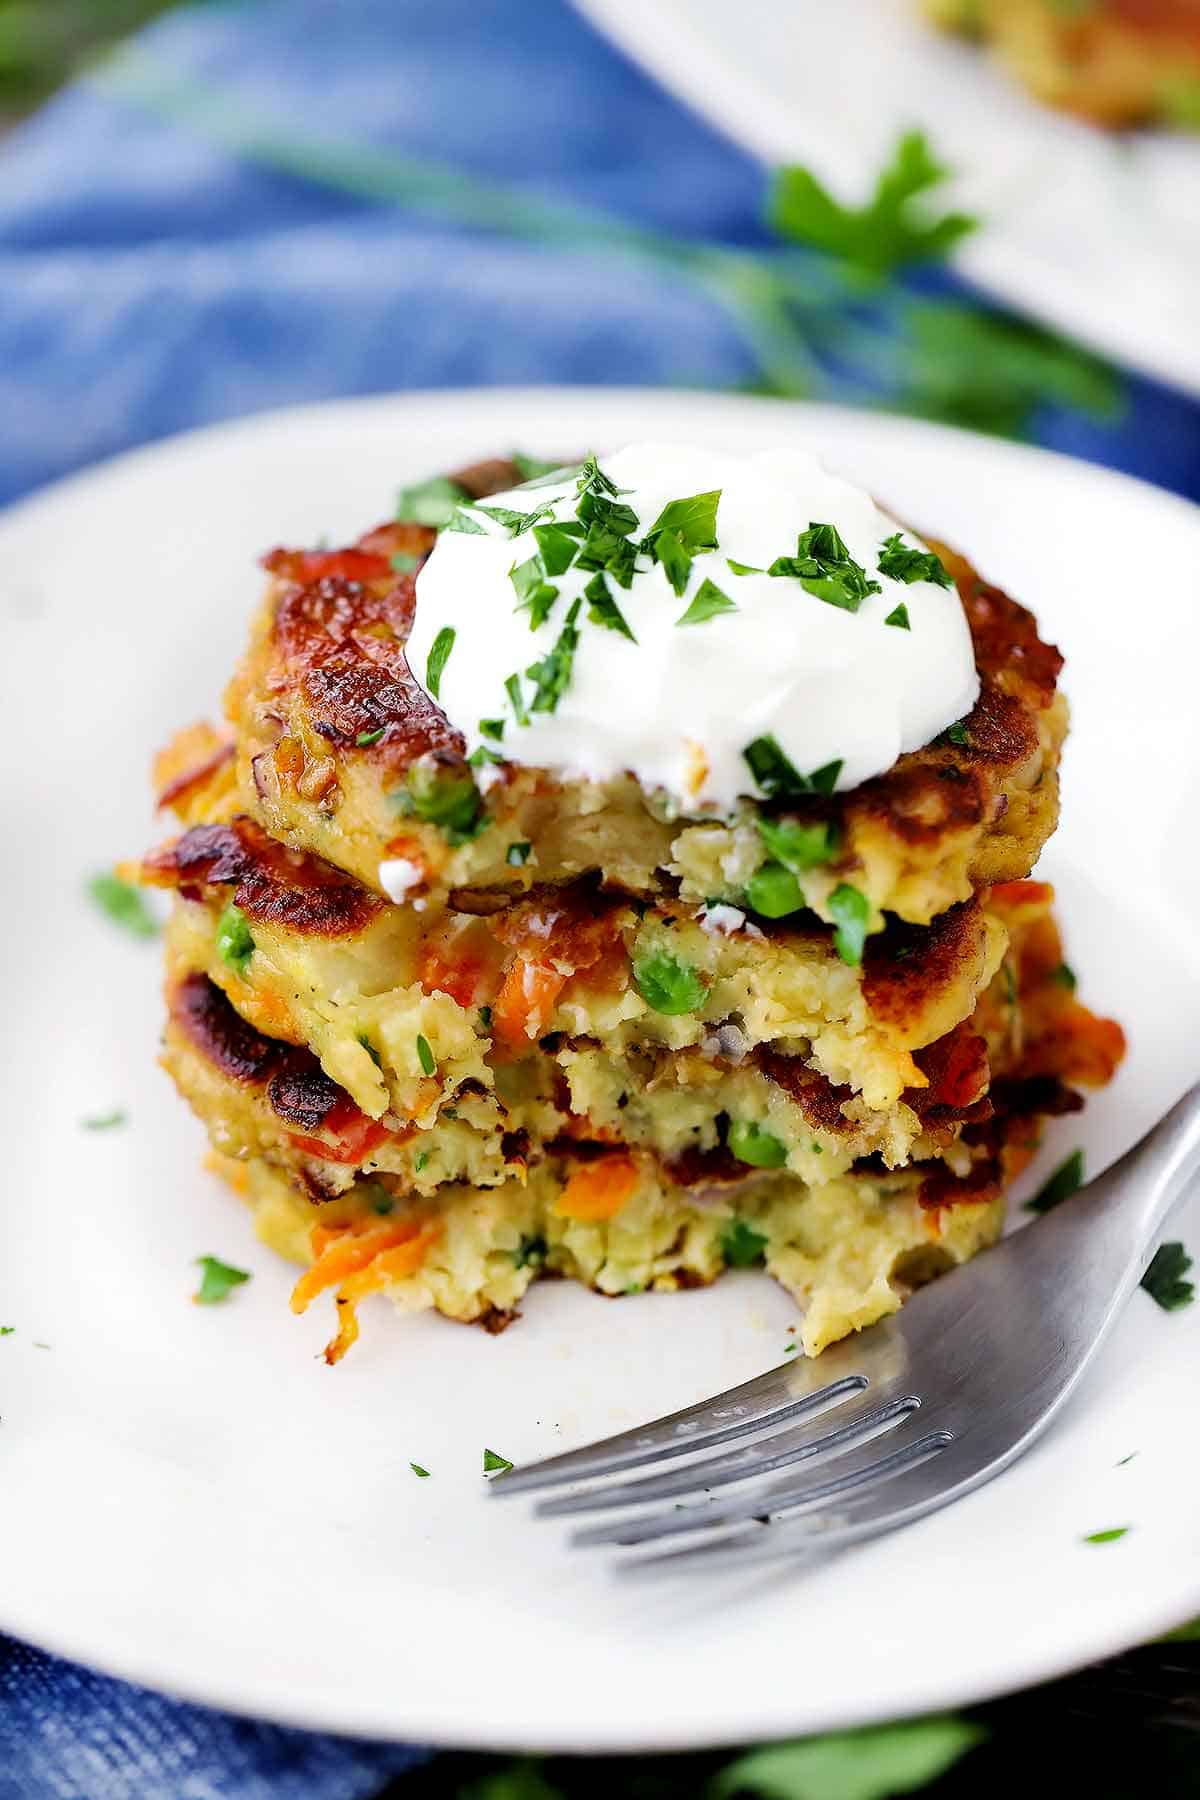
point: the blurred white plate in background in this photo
(1095, 233)
(190, 1498)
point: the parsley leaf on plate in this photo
(870, 1764)
(904, 562)
(1066, 1180)
(1164, 1279)
(494, 1464)
(105, 1121)
(218, 1280)
(124, 904)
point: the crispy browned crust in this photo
(271, 884)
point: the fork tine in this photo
(787, 1392)
(763, 1456)
(857, 1470)
(906, 1495)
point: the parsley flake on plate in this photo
(903, 562)
(123, 904)
(740, 568)
(1164, 1279)
(667, 984)
(218, 1280)
(899, 617)
(439, 656)
(741, 1245)
(494, 1464)
(425, 1056)
(708, 602)
(234, 939)
(419, 1471)
(105, 1121)
(493, 728)
(1106, 1537)
(1066, 1180)
(7, 1330)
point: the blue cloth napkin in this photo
(276, 200)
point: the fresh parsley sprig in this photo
(777, 776)
(824, 567)
(902, 562)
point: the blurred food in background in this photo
(1116, 62)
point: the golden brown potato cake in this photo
(341, 752)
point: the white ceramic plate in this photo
(188, 1497)
(1095, 233)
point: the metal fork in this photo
(900, 1420)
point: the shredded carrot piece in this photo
(597, 1190)
(525, 1004)
(1023, 893)
(346, 1255)
(386, 1265)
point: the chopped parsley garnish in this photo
(445, 795)
(7, 1330)
(105, 1121)
(752, 1144)
(610, 550)
(824, 567)
(1066, 1180)
(1106, 1537)
(592, 480)
(902, 563)
(425, 1056)
(218, 1280)
(1125, 1459)
(744, 568)
(430, 502)
(1164, 1279)
(235, 940)
(899, 617)
(405, 562)
(419, 1471)
(517, 522)
(494, 1464)
(439, 656)
(673, 559)
(493, 728)
(741, 1245)
(692, 521)
(954, 734)
(603, 609)
(485, 1017)
(369, 737)
(798, 846)
(517, 854)
(557, 548)
(534, 593)
(774, 891)
(121, 902)
(552, 675)
(707, 602)
(886, 233)
(778, 776)
(512, 688)
(530, 468)
(530, 1250)
(483, 753)
(420, 1160)
(461, 520)
(1064, 975)
(667, 984)
(851, 915)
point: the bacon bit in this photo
(978, 1188)
(189, 762)
(525, 1004)
(598, 1189)
(395, 539)
(354, 1135)
(956, 1066)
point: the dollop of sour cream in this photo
(678, 700)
